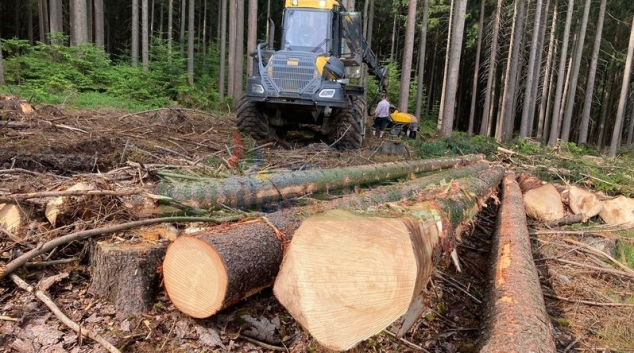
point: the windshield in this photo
(307, 30)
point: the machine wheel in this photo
(251, 121)
(347, 126)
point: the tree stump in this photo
(126, 274)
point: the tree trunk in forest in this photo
(555, 121)
(204, 34)
(551, 90)
(251, 250)
(393, 39)
(592, 74)
(90, 10)
(135, 33)
(233, 37)
(99, 24)
(421, 61)
(370, 24)
(441, 113)
(29, 19)
(170, 28)
(223, 54)
(630, 132)
(476, 74)
(2, 81)
(56, 17)
(528, 98)
(408, 53)
(126, 274)
(79, 25)
(572, 90)
(453, 69)
(43, 20)
(252, 33)
(564, 95)
(504, 127)
(376, 265)
(546, 85)
(239, 55)
(516, 311)
(618, 124)
(244, 192)
(181, 38)
(486, 111)
(190, 44)
(145, 35)
(537, 70)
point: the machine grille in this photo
(294, 72)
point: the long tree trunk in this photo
(555, 122)
(618, 124)
(135, 33)
(421, 60)
(537, 70)
(592, 74)
(476, 74)
(528, 98)
(79, 25)
(366, 281)
(90, 10)
(190, 44)
(245, 192)
(56, 17)
(223, 54)
(453, 69)
(541, 120)
(220, 259)
(504, 129)
(252, 36)
(99, 24)
(182, 27)
(170, 28)
(408, 53)
(233, 37)
(486, 111)
(145, 35)
(370, 23)
(443, 91)
(2, 81)
(564, 96)
(570, 104)
(29, 14)
(392, 59)
(630, 132)
(43, 20)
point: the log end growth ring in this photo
(195, 277)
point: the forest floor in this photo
(54, 149)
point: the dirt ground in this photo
(55, 148)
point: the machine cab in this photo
(307, 30)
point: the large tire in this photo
(252, 121)
(347, 126)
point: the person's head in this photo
(384, 96)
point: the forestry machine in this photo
(314, 79)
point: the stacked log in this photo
(206, 272)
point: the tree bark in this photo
(537, 71)
(364, 270)
(43, 20)
(421, 60)
(190, 44)
(618, 124)
(528, 98)
(182, 27)
(370, 24)
(476, 74)
(145, 35)
(252, 33)
(79, 25)
(486, 111)
(170, 28)
(233, 37)
(126, 274)
(239, 53)
(592, 74)
(223, 54)
(2, 80)
(135, 33)
(516, 303)
(443, 91)
(555, 122)
(195, 296)
(453, 69)
(246, 192)
(504, 127)
(572, 90)
(56, 17)
(548, 78)
(99, 24)
(408, 53)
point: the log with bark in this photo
(348, 275)
(245, 192)
(209, 271)
(516, 317)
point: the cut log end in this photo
(352, 272)
(195, 277)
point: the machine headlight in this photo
(327, 93)
(322, 3)
(257, 88)
(295, 3)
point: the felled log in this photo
(207, 272)
(516, 316)
(348, 275)
(14, 103)
(126, 274)
(244, 191)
